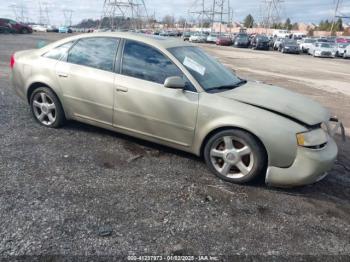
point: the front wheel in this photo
(235, 156)
(46, 108)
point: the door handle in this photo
(121, 89)
(61, 74)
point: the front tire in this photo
(46, 108)
(235, 156)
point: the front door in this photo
(144, 106)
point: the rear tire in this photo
(235, 156)
(46, 108)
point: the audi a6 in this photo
(173, 93)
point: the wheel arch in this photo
(223, 128)
(36, 85)
(32, 87)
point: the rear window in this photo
(59, 52)
(97, 52)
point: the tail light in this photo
(12, 61)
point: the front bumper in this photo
(310, 166)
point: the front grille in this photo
(326, 53)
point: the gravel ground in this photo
(85, 191)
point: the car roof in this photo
(153, 40)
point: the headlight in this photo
(313, 138)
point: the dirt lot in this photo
(61, 188)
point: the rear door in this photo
(143, 105)
(86, 78)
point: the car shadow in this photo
(334, 188)
(132, 144)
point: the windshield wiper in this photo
(228, 87)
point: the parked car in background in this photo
(340, 49)
(198, 38)
(305, 44)
(260, 42)
(5, 29)
(322, 50)
(281, 33)
(277, 43)
(298, 37)
(343, 40)
(186, 36)
(52, 29)
(223, 41)
(64, 30)
(241, 40)
(212, 38)
(346, 54)
(289, 46)
(244, 130)
(39, 28)
(15, 27)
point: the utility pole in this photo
(335, 14)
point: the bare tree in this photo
(168, 21)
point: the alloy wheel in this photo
(232, 157)
(44, 108)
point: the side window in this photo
(145, 62)
(98, 52)
(59, 52)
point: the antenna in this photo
(134, 9)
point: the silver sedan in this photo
(170, 92)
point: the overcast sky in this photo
(297, 10)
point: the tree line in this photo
(324, 25)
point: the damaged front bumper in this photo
(311, 164)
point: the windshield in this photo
(290, 42)
(262, 38)
(243, 37)
(343, 45)
(209, 73)
(325, 45)
(310, 41)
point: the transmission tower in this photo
(68, 14)
(20, 12)
(44, 18)
(135, 10)
(211, 10)
(271, 12)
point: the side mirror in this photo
(174, 82)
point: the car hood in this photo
(280, 101)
